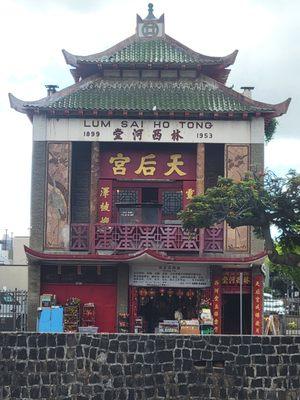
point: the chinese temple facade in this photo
(147, 124)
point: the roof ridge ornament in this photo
(150, 12)
(150, 27)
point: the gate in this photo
(13, 310)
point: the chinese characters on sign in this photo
(189, 191)
(257, 293)
(170, 275)
(233, 278)
(147, 165)
(141, 131)
(105, 201)
(216, 292)
(152, 164)
(151, 131)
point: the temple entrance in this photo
(231, 314)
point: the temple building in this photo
(147, 124)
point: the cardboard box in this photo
(189, 330)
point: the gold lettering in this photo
(147, 165)
(174, 164)
(119, 162)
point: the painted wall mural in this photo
(58, 194)
(236, 166)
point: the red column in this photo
(257, 304)
(217, 302)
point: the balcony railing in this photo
(94, 237)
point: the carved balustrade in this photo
(85, 237)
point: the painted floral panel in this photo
(57, 218)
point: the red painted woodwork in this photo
(135, 237)
(214, 239)
(103, 296)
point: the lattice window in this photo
(127, 196)
(172, 203)
(125, 214)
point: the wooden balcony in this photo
(117, 237)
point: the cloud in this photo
(72, 5)
(33, 33)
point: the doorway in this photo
(231, 314)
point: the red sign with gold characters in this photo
(189, 191)
(257, 296)
(151, 163)
(233, 278)
(217, 304)
(105, 201)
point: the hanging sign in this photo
(258, 289)
(170, 276)
(124, 162)
(217, 304)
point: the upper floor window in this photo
(146, 205)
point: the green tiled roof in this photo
(137, 95)
(134, 50)
(151, 51)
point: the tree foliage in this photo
(260, 202)
(270, 129)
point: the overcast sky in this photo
(33, 32)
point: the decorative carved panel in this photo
(237, 239)
(57, 197)
(237, 165)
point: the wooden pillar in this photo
(95, 162)
(257, 301)
(122, 289)
(200, 169)
(133, 306)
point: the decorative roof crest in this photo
(150, 27)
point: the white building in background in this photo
(14, 272)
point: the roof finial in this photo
(150, 12)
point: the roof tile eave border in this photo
(37, 256)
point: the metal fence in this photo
(281, 316)
(13, 310)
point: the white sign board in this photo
(170, 276)
(148, 131)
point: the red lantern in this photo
(180, 293)
(190, 293)
(143, 293)
(162, 291)
(152, 293)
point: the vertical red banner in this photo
(217, 303)
(133, 306)
(189, 191)
(257, 308)
(105, 201)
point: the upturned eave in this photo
(38, 257)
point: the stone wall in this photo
(74, 366)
